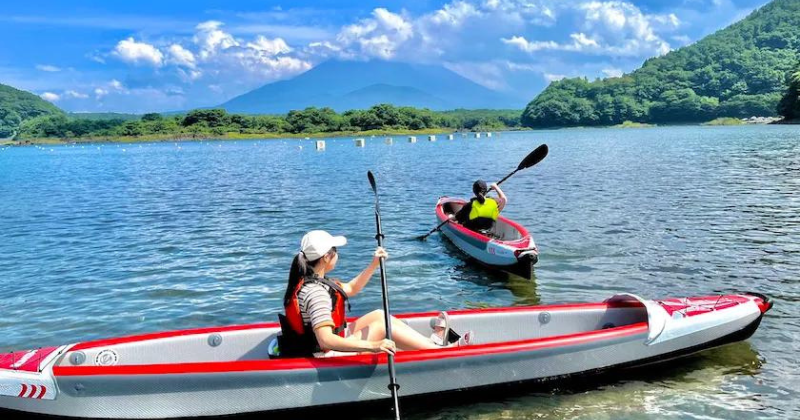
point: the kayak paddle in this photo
(533, 158)
(393, 386)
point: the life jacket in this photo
(482, 217)
(487, 210)
(297, 337)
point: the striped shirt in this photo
(314, 300)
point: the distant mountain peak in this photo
(344, 85)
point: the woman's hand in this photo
(379, 253)
(493, 186)
(383, 346)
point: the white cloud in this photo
(377, 37)
(607, 28)
(553, 77)
(130, 51)
(50, 96)
(613, 72)
(211, 39)
(580, 42)
(74, 94)
(455, 14)
(269, 46)
(116, 84)
(47, 68)
(180, 56)
(189, 75)
(625, 30)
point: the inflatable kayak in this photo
(508, 247)
(228, 370)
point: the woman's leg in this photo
(371, 327)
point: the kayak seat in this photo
(290, 344)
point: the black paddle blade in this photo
(534, 157)
(372, 181)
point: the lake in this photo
(106, 240)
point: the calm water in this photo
(108, 240)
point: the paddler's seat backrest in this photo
(291, 344)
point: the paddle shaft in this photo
(393, 385)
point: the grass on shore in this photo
(725, 121)
(226, 136)
(631, 124)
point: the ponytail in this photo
(480, 197)
(301, 267)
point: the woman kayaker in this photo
(315, 306)
(481, 213)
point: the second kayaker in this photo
(481, 212)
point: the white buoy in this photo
(412, 139)
(320, 145)
(489, 134)
(360, 142)
(477, 135)
(388, 140)
(431, 138)
(451, 137)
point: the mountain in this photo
(345, 85)
(739, 71)
(17, 106)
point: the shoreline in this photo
(237, 136)
(336, 134)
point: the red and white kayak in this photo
(228, 370)
(509, 247)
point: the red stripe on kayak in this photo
(355, 360)
(514, 309)
(41, 394)
(518, 243)
(168, 334)
(24, 391)
(34, 388)
(32, 365)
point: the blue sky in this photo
(145, 56)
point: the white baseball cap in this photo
(317, 243)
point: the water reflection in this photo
(706, 379)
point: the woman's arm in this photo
(501, 198)
(330, 341)
(354, 286)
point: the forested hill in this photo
(17, 106)
(789, 106)
(740, 71)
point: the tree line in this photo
(789, 107)
(218, 122)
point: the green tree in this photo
(789, 106)
(153, 116)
